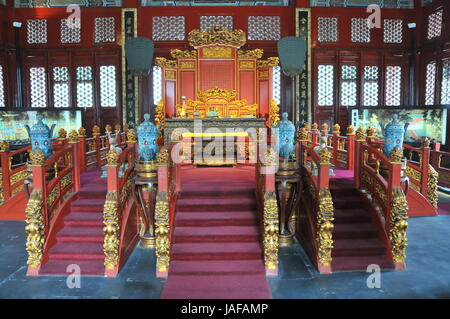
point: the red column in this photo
(76, 165)
(425, 170)
(350, 152)
(4, 158)
(82, 152)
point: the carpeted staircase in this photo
(80, 241)
(216, 250)
(356, 241)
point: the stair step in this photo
(216, 201)
(84, 219)
(216, 267)
(237, 207)
(360, 263)
(77, 251)
(80, 234)
(233, 193)
(89, 204)
(346, 202)
(216, 234)
(351, 215)
(99, 194)
(357, 247)
(356, 230)
(240, 218)
(59, 267)
(216, 251)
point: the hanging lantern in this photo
(139, 55)
(292, 53)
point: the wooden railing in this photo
(315, 222)
(436, 160)
(380, 178)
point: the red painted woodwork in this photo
(246, 88)
(217, 73)
(188, 89)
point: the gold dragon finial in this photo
(82, 132)
(396, 155)
(62, 134)
(73, 137)
(37, 158)
(350, 130)
(96, 130)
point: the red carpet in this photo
(356, 243)
(443, 208)
(216, 251)
(81, 240)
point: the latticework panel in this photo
(38, 87)
(61, 86)
(85, 92)
(108, 89)
(445, 87)
(325, 85)
(360, 30)
(370, 94)
(104, 30)
(348, 85)
(157, 84)
(435, 24)
(37, 31)
(393, 85)
(393, 31)
(430, 83)
(2, 88)
(263, 28)
(168, 28)
(328, 29)
(71, 30)
(276, 84)
(207, 22)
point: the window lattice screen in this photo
(108, 89)
(328, 29)
(71, 30)
(348, 85)
(61, 86)
(85, 92)
(38, 87)
(393, 31)
(207, 22)
(430, 83)
(104, 30)
(2, 88)
(325, 85)
(434, 24)
(393, 85)
(370, 97)
(445, 87)
(37, 31)
(157, 84)
(360, 30)
(276, 85)
(263, 28)
(171, 28)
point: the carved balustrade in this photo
(436, 161)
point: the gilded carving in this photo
(250, 54)
(62, 133)
(360, 137)
(302, 134)
(396, 155)
(187, 65)
(324, 127)
(217, 52)
(370, 131)
(183, 54)
(413, 173)
(164, 63)
(160, 115)
(111, 230)
(131, 136)
(82, 132)
(108, 128)
(35, 229)
(270, 241)
(350, 130)
(269, 63)
(112, 157)
(170, 75)
(263, 74)
(315, 126)
(163, 155)
(4, 146)
(246, 65)
(37, 158)
(52, 196)
(274, 113)
(73, 137)
(216, 93)
(96, 130)
(270, 158)
(18, 177)
(325, 227)
(432, 189)
(216, 35)
(324, 156)
(162, 232)
(425, 142)
(398, 225)
(336, 129)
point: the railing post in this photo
(350, 148)
(425, 166)
(96, 135)
(360, 139)
(5, 161)
(117, 128)
(82, 148)
(314, 133)
(435, 156)
(336, 133)
(62, 134)
(76, 160)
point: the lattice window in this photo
(61, 86)
(108, 89)
(393, 85)
(104, 30)
(263, 28)
(325, 87)
(370, 90)
(170, 28)
(38, 87)
(348, 85)
(435, 24)
(360, 30)
(71, 30)
(157, 84)
(393, 31)
(85, 91)
(328, 29)
(276, 84)
(207, 22)
(2, 88)
(37, 31)
(445, 87)
(430, 83)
